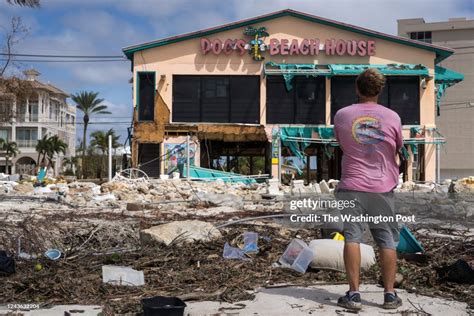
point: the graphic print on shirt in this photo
(367, 130)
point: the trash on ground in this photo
(297, 256)
(245, 246)
(337, 236)
(408, 242)
(329, 254)
(234, 253)
(7, 264)
(163, 305)
(458, 272)
(52, 254)
(118, 275)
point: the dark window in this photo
(304, 104)
(186, 103)
(343, 93)
(280, 102)
(218, 99)
(245, 99)
(215, 100)
(148, 159)
(400, 94)
(146, 96)
(404, 98)
(421, 36)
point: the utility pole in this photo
(110, 157)
(187, 156)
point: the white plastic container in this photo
(297, 256)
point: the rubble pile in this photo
(175, 231)
(197, 271)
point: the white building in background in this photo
(45, 112)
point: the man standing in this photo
(370, 137)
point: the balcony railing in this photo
(21, 118)
(27, 143)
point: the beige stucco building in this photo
(256, 99)
(457, 107)
(44, 113)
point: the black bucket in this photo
(163, 306)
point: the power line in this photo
(64, 61)
(61, 56)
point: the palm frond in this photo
(25, 3)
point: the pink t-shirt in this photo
(369, 135)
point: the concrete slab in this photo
(322, 300)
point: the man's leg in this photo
(352, 264)
(388, 262)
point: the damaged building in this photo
(258, 97)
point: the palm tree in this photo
(11, 150)
(70, 162)
(42, 148)
(100, 140)
(89, 104)
(26, 3)
(55, 147)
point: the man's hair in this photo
(370, 82)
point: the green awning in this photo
(444, 75)
(445, 78)
(389, 69)
(288, 71)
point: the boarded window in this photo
(245, 99)
(400, 94)
(146, 96)
(148, 159)
(304, 104)
(218, 99)
(404, 98)
(186, 103)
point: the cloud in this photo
(373, 14)
(103, 73)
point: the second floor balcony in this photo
(26, 143)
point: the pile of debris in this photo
(178, 236)
(194, 268)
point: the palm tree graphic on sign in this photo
(256, 45)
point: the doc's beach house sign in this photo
(313, 46)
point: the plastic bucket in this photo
(163, 306)
(408, 242)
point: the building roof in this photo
(441, 52)
(49, 87)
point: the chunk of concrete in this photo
(219, 199)
(297, 185)
(273, 186)
(135, 207)
(26, 187)
(323, 186)
(182, 231)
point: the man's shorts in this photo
(377, 210)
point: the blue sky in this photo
(104, 27)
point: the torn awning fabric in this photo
(289, 71)
(445, 78)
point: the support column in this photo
(410, 160)
(27, 110)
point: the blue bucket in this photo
(408, 242)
